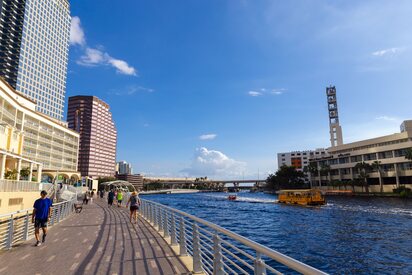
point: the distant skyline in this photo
(218, 88)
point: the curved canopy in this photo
(120, 184)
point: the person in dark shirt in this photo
(41, 215)
(110, 198)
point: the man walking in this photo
(41, 215)
(110, 198)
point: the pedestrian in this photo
(119, 198)
(40, 216)
(86, 197)
(110, 198)
(101, 194)
(134, 202)
(91, 196)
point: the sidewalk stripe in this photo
(77, 255)
(51, 258)
(73, 267)
(24, 257)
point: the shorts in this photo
(134, 207)
(40, 223)
(119, 201)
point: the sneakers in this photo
(43, 239)
(38, 243)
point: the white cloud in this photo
(212, 163)
(92, 57)
(207, 137)
(265, 91)
(254, 93)
(95, 57)
(122, 66)
(388, 52)
(278, 91)
(76, 32)
(391, 119)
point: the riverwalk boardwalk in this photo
(99, 240)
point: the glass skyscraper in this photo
(34, 45)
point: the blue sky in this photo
(216, 88)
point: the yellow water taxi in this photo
(302, 197)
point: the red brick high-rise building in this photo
(91, 117)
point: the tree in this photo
(25, 173)
(325, 170)
(376, 165)
(312, 169)
(363, 170)
(408, 154)
(11, 174)
(286, 177)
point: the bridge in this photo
(101, 240)
(206, 184)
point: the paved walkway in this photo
(100, 240)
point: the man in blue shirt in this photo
(41, 215)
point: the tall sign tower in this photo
(335, 128)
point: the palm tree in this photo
(325, 171)
(312, 169)
(376, 165)
(364, 169)
(408, 154)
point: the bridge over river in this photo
(101, 240)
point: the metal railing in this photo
(19, 186)
(216, 250)
(17, 227)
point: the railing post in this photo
(26, 227)
(197, 260)
(53, 215)
(9, 241)
(59, 210)
(160, 217)
(165, 224)
(259, 265)
(217, 256)
(155, 220)
(182, 238)
(173, 230)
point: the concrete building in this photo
(34, 46)
(299, 159)
(30, 139)
(388, 152)
(136, 180)
(122, 167)
(91, 117)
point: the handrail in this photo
(16, 227)
(151, 212)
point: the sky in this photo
(217, 88)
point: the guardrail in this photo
(19, 186)
(17, 227)
(216, 250)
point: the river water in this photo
(349, 235)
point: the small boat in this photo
(232, 197)
(302, 197)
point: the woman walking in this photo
(134, 202)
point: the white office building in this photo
(35, 45)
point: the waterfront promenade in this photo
(99, 240)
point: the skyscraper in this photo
(91, 117)
(34, 46)
(122, 167)
(335, 128)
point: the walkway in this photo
(100, 240)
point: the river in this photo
(349, 235)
